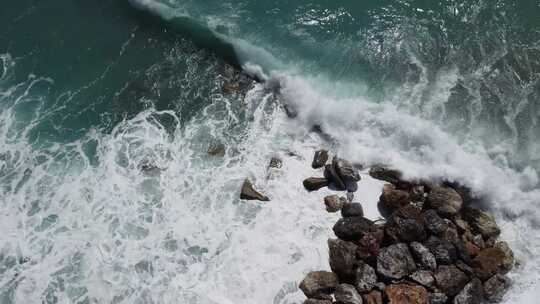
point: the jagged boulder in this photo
(319, 284)
(424, 278)
(489, 262)
(347, 294)
(342, 259)
(472, 293)
(248, 192)
(450, 279)
(434, 223)
(353, 228)
(334, 180)
(495, 287)
(446, 201)
(319, 159)
(392, 199)
(345, 170)
(395, 262)
(333, 203)
(315, 183)
(404, 293)
(366, 278)
(407, 225)
(424, 258)
(388, 175)
(481, 222)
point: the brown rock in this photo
(374, 297)
(315, 183)
(216, 149)
(406, 294)
(407, 225)
(424, 278)
(249, 193)
(319, 159)
(369, 246)
(319, 284)
(445, 200)
(392, 199)
(342, 259)
(481, 222)
(495, 287)
(366, 278)
(333, 203)
(450, 279)
(353, 228)
(489, 262)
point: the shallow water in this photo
(108, 109)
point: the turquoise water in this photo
(107, 110)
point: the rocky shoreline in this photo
(433, 246)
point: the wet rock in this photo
(319, 159)
(317, 301)
(333, 203)
(462, 251)
(366, 278)
(395, 262)
(495, 287)
(347, 294)
(451, 233)
(392, 199)
(508, 261)
(406, 294)
(445, 200)
(216, 149)
(444, 251)
(369, 246)
(472, 249)
(424, 257)
(481, 222)
(461, 225)
(434, 223)
(315, 183)
(417, 193)
(437, 298)
(374, 297)
(472, 293)
(407, 225)
(489, 262)
(342, 259)
(478, 240)
(319, 284)
(352, 210)
(450, 279)
(333, 178)
(353, 228)
(345, 170)
(275, 163)
(424, 278)
(385, 174)
(249, 193)
(468, 270)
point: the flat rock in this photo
(392, 199)
(366, 278)
(248, 192)
(395, 262)
(481, 222)
(352, 210)
(434, 223)
(424, 258)
(374, 297)
(450, 279)
(342, 258)
(407, 225)
(424, 278)
(445, 252)
(333, 203)
(495, 287)
(472, 293)
(445, 200)
(406, 294)
(347, 294)
(489, 262)
(353, 228)
(319, 284)
(315, 183)
(319, 159)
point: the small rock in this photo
(423, 256)
(450, 279)
(333, 203)
(275, 163)
(406, 294)
(437, 298)
(489, 262)
(374, 297)
(315, 183)
(352, 210)
(369, 246)
(353, 228)
(395, 262)
(392, 199)
(319, 284)
(317, 301)
(333, 178)
(319, 159)
(495, 287)
(407, 225)
(347, 294)
(445, 200)
(472, 293)
(424, 278)
(434, 223)
(342, 259)
(481, 222)
(444, 251)
(216, 149)
(385, 174)
(345, 170)
(249, 193)
(366, 278)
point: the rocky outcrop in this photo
(248, 192)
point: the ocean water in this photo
(108, 108)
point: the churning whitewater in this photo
(108, 193)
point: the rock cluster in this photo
(433, 248)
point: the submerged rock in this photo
(352, 210)
(472, 293)
(333, 203)
(315, 183)
(347, 294)
(342, 258)
(406, 294)
(495, 287)
(445, 200)
(395, 262)
(450, 279)
(319, 159)
(345, 170)
(216, 149)
(319, 284)
(275, 163)
(249, 193)
(353, 228)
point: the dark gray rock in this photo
(319, 159)
(249, 193)
(366, 278)
(333, 178)
(342, 259)
(369, 246)
(333, 203)
(315, 183)
(445, 200)
(275, 163)
(495, 287)
(434, 223)
(472, 293)
(450, 279)
(347, 294)
(437, 298)
(319, 284)
(423, 277)
(345, 170)
(424, 258)
(353, 228)
(392, 199)
(317, 301)
(407, 225)
(481, 222)
(385, 174)
(395, 262)
(444, 251)
(216, 149)
(352, 210)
